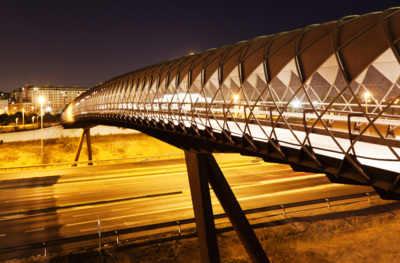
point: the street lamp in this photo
(23, 117)
(366, 95)
(297, 104)
(41, 100)
(235, 99)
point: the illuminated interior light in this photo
(296, 104)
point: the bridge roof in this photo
(351, 44)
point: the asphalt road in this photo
(68, 202)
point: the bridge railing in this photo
(237, 109)
(290, 124)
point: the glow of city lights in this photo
(366, 95)
(69, 112)
(41, 100)
(296, 104)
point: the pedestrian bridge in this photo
(324, 98)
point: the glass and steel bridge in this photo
(324, 98)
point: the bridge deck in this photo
(366, 152)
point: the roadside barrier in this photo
(115, 234)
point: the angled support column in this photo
(234, 212)
(198, 181)
(89, 146)
(204, 167)
(85, 132)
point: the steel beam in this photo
(89, 146)
(78, 151)
(203, 169)
(233, 210)
(198, 181)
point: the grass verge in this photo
(15, 154)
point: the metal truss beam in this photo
(203, 169)
(198, 181)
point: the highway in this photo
(69, 201)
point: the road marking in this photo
(263, 171)
(11, 217)
(87, 214)
(127, 201)
(305, 189)
(87, 230)
(82, 223)
(279, 180)
(116, 226)
(126, 216)
(292, 178)
(137, 222)
(92, 191)
(121, 209)
(102, 228)
(34, 230)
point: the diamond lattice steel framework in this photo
(323, 98)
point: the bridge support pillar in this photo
(205, 169)
(198, 180)
(85, 132)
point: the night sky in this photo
(83, 43)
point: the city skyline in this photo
(73, 43)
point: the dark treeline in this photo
(29, 118)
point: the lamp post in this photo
(41, 100)
(235, 99)
(23, 118)
(366, 95)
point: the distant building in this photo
(55, 98)
(5, 98)
(3, 106)
(4, 95)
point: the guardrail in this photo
(179, 154)
(177, 223)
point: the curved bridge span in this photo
(324, 98)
